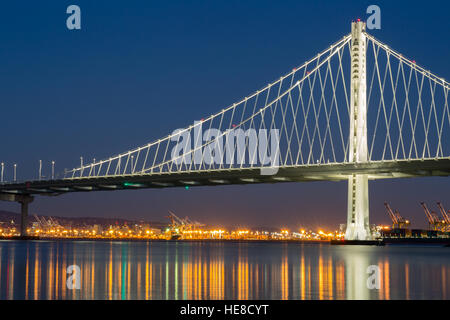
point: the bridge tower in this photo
(358, 184)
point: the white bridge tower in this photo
(358, 184)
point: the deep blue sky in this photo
(139, 69)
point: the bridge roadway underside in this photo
(318, 172)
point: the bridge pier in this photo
(24, 201)
(358, 184)
(358, 208)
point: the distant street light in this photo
(3, 169)
(15, 172)
(53, 170)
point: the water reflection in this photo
(219, 270)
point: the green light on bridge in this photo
(129, 184)
(186, 187)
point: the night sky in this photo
(137, 70)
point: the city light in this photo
(145, 231)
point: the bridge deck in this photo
(318, 172)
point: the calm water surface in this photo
(220, 270)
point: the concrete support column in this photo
(358, 184)
(24, 215)
(24, 200)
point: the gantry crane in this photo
(185, 223)
(433, 219)
(54, 222)
(179, 225)
(391, 215)
(47, 224)
(176, 221)
(446, 217)
(176, 227)
(192, 223)
(397, 220)
(42, 223)
(402, 222)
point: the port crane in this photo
(193, 223)
(176, 222)
(41, 224)
(433, 219)
(178, 225)
(397, 220)
(185, 223)
(47, 224)
(446, 217)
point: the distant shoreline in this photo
(160, 240)
(387, 241)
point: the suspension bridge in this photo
(357, 111)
